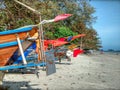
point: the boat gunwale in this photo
(18, 30)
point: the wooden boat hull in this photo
(6, 51)
(12, 37)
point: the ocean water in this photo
(112, 52)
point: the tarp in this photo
(57, 42)
(61, 17)
(77, 52)
(78, 36)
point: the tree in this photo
(14, 15)
(63, 32)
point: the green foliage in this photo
(49, 35)
(24, 21)
(2, 19)
(63, 32)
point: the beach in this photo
(84, 72)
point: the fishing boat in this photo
(10, 39)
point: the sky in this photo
(108, 22)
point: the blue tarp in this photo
(18, 59)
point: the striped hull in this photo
(12, 37)
(7, 51)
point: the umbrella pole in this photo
(41, 43)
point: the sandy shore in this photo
(93, 72)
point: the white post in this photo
(21, 50)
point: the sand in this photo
(86, 72)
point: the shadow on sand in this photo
(63, 63)
(23, 85)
